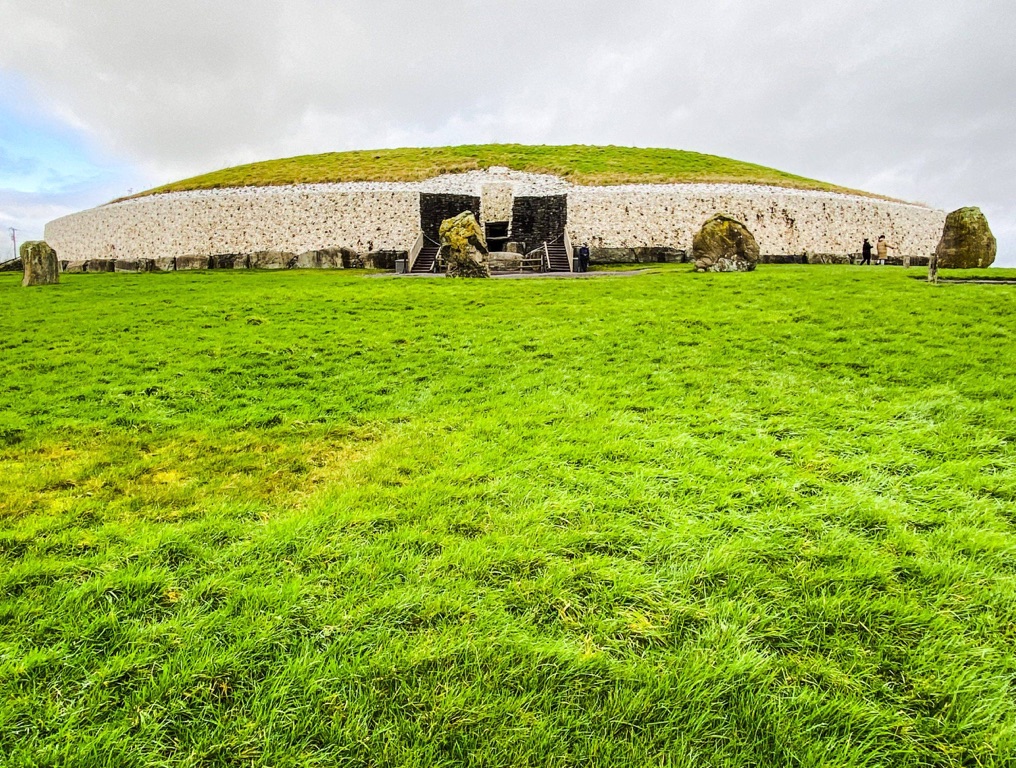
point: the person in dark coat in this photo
(866, 252)
(584, 258)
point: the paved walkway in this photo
(534, 275)
(960, 280)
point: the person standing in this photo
(584, 257)
(882, 247)
(866, 253)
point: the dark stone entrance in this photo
(435, 208)
(536, 220)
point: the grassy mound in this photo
(673, 519)
(579, 164)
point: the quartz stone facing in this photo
(367, 223)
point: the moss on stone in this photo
(464, 247)
(40, 263)
(724, 245)
(967, 241)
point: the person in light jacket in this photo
(882, 247)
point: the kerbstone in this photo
(164, 264)
(230, 261)
(324, 258)
(186, 263)
(271, 260)
(133, 265)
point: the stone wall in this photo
(539, 219)
(784, 222)
(642, 222)
(240, 221)
(435, 208)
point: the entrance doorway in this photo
(496, 233)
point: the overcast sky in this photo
(911, 99)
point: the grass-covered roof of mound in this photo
(579, 164)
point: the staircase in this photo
(558, 257)
(557, 252)
(425, 261)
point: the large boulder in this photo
(40, 264)
(14, 265)
(504, 261)
(967, 242)
(463, 246)
(724, 245)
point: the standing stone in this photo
(464, 247)
(967, 242)
(724, 245)
(40, 263)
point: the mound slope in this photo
(587, 165)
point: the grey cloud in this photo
(911, 99)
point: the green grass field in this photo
(318, 519)
(579, 164)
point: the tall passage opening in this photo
(496, 233)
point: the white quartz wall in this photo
(496, 202)
(366, 217)
(783, 221)
(289, 219)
